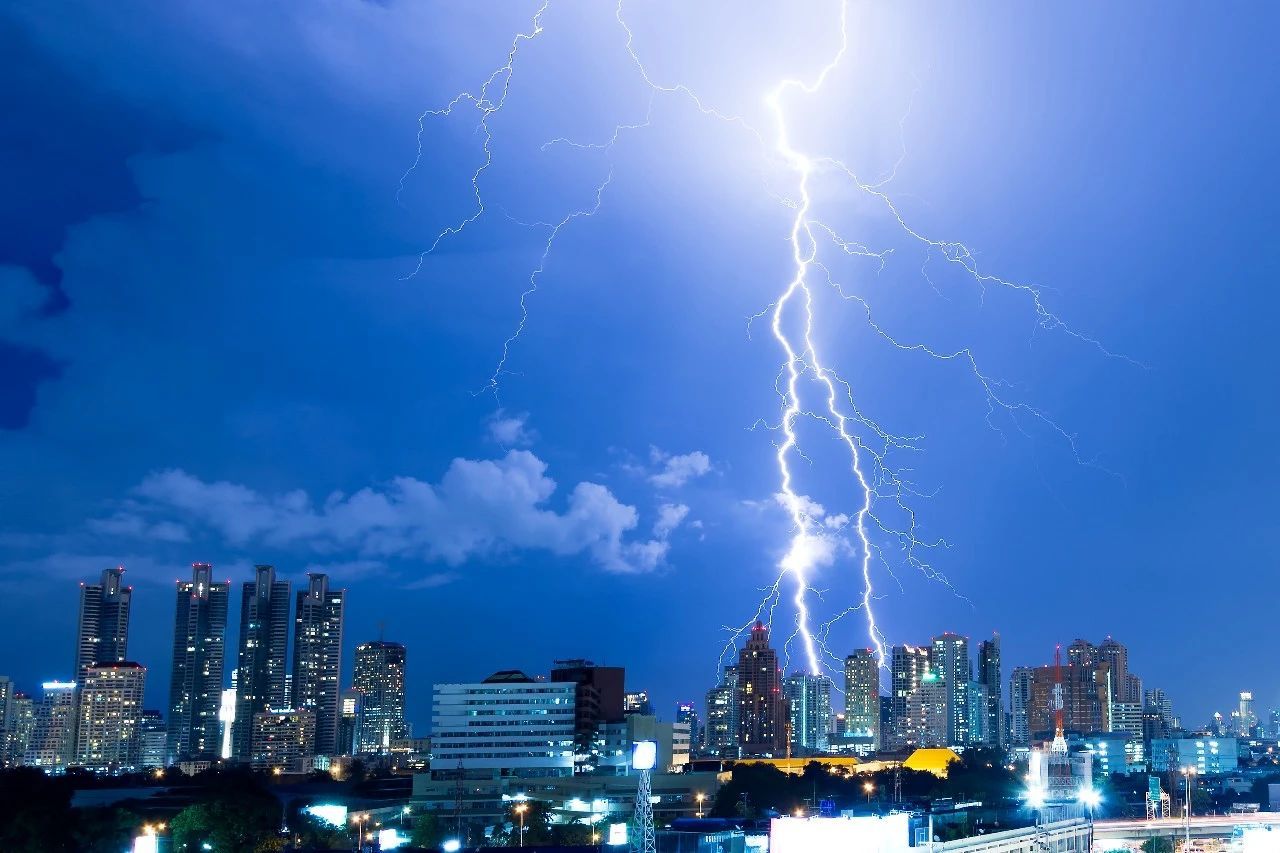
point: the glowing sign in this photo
(617, 834)
(646, 755)
(889, 834)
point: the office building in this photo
(762, 707)
(264, 641)
(720, 739)
(952, 664)
(153, 741)
(379, 680)
(599, 698)
(687, 713)
(283, 740)
(108, 735)
(862, 696)
(989, 678)
(1126, 718)
(809, 712)
(1019, 705)
(1209, 756)
(508, 724)
(52, 744)
(199, 653)
(976, 698)
(317, 657)
(7, 692)
(907, 667)
(102, 634)
(637, 702)
(1125, 686)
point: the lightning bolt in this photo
(884, 529)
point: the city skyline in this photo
(214, 350)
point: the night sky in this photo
(211, 347)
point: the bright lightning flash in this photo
(793, 317)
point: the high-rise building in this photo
(1126, 717)
(6, 718)
(762, 707)
(379, 679)
(348, 721)
(108, 736)
(283, 740)
(927, 716)
(264, 642)
(989, 677)
(720, 738)
(153, 740)
(317, 657)
(809, 712)
(199, 653)
(907, 667)
(507, 725)
(1125, 686)
(637, 702)
(1019, 706)
(976, 697)
(599, 698)
(862, 696)
(102, 634)
(1084, 707)
(1245, 720)
(52, 744)
(687, 713)
(1159, 701)
(953, 665)
(22, 723)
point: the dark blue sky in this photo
(209, 350)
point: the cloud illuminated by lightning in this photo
(883, 529)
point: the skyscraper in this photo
(762, 707)
(1245, 720)
(809, 710)
(1125, 686)
(907, 666)
(199, 652)
(379, 679)
(953, 665)
(153, 740)
(317, 657)
(862, 696)
(989, 677)
(1019, 704)
(720, 738)
(108, 735)
(264, 642)
(927, 716)
(348, 721)
(103, 626)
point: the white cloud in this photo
(510, 430)
(479, 508)
(674, 471)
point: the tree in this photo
(35, 812)
(428, 831)
(1157, 845)
(104, 830)
(572, 834)
(238, 815)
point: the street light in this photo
(1090, 798)
(868, 788)
(404, 813)
(521, 808)
(1187, 773)
(700, 797)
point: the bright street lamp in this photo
(700, 797)
(521, 808)
(868, 788)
